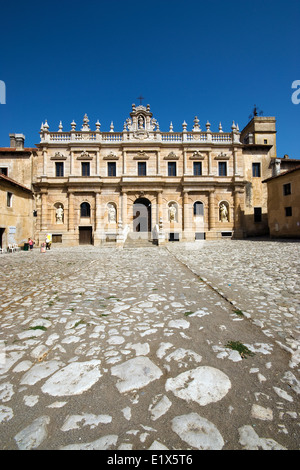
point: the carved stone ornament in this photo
(141, 134)
(58, 156)
(197, 156)
(222, 156)
(85, 125)
(141, 155)
(85, 156)
(111, 156)
(171, 156)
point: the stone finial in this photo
(60, 127)
(208, 126)
(73, 125)
(98, 125)
(196, 125)
(171, 127)
(111, 127)
(184, 126)
(46, 126)
(220, 127)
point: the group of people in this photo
(47, 243)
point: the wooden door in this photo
(85, 236)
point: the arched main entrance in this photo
(142, 215)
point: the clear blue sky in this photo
(213, 59)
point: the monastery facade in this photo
(92, 186)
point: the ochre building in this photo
(284, 204)
(16, 210)
(93, 186)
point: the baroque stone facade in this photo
(92, 186)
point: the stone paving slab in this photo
(102, 348)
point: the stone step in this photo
(137, 243)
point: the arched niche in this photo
(224, 211)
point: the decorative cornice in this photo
(58, 156)
(171, 156)
(197, 156)
(222, 156)
(84, 156)
(141, 155)
(111, 156)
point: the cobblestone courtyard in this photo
(188, 346)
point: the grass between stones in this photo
(240, 347)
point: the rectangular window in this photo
(9, 199)
(142, 168)
(85, 169)
(257, 214)
(111, 169)
(222, 169)
(256, 170)
(287, 189)
(59, 169)
(4, 171)
(171, 168)
(288, 211)
(57, 238)
(197, 168)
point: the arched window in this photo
(85, 210)
(198, 209)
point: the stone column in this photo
(158, 162)
(235, 166)
(98, 163)
(184, 163)
(71, 163)
(45, 154)
(238, 212)
(70, 211)
(124, 208)
(211, 213)
(187, 234)
(99, 234)
(209, 164)
(159, 219)
(97, 211)
(124, 163)
(159, 206)
(44, 212)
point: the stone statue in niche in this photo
(112, 216)
(172, 213)
(141, 122)
(59, 214)
(223, 212)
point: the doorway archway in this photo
(142, 215)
